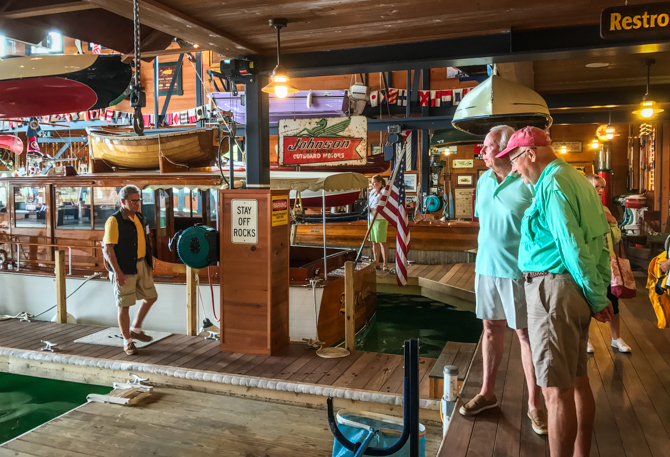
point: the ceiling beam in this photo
(175, 23)
(126, 58)
(510, 46)
(58, 8)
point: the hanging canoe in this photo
(192, 148)
(45, 85)
(12, 143)
(498, 101)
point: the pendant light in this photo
(279, 80)
(648, 107)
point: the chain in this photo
(137, 97)
(136, 20)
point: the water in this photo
(27, 402)
(400, 317)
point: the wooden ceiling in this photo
(240, 27)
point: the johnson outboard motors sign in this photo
(325, 141)
(638, 21)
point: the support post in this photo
(349, 307)
(61, 297)
(257, 133)
(199, 86)
(156, 110)
(191, 301)
(425, 141)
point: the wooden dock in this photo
(632, 393)
(178, 423)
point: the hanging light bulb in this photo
(564, 149)
(279, 80)
(648, 107)
(595, 142)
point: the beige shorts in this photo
(558, 329)
(137, 287)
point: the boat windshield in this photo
(30, 206)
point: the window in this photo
(53, 44)
(3, 46)
(149, 208)
(164, 200)
(4, 219)
(187, 202)
(196, 203)
(105, 203)
(30, 206)
(213, 206)
(73, 206)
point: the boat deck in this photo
(632, 393)
(180, 423)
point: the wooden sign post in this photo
(254, 270)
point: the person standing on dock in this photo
(380, 225)
(127, 250)
(566, 268)
(502, 197)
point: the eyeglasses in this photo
(137, 200)
(511, 161)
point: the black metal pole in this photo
(198, 86)
(156, 112)
(414, 398)
(257, 133)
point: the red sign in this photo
(301, 150)
(279, 205)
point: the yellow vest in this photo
(661, 303)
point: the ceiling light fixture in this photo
(597, 65)
(595, 142)
(279, 80)
(648, 107)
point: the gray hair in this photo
(504, 132)
(127, 191)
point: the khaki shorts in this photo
(558, 328)
(137, 287)
(501, 299)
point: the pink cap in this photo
(525, 138)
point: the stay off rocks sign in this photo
(325, 141)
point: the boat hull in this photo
(189, 148)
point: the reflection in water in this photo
(27, 402)
(400, 317)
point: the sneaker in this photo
(589, 347)
(130, 349)
(620, 345)
(140, 336)
(477, 405)
(538, 420)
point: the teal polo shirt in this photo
(500, 208)
(564, 230)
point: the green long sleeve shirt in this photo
(564, 229)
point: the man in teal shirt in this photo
(502, 197)
(566, 267)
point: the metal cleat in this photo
(212, 335)
(24, 317)
(48, 346)
(136, 380)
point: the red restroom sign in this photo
(325, 141)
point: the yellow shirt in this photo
(112, 234)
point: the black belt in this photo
(141, 258)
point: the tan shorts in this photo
(137, 287)
(558, 328)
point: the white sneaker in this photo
(589, 347)
(620, 345)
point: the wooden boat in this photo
(45, 85)
(42, 214)
(180, 148)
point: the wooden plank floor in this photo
(178, 423)
(458, 275)
(632, 393)
(362, 370)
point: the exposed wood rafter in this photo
(58, 8)
(166, 52)
(172, 22)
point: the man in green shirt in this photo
(566, 267)
(502, 197)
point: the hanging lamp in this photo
(648, 107)
(279, 80)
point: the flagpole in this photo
(374, 216)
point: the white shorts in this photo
(501, 299)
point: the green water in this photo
(400, 317)
(26, 402)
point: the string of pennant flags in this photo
(189, 116)
(426, 97)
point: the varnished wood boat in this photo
(181, 148)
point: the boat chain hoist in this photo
(138, 98)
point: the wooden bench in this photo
(458, 354)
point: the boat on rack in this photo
(42, 214)
(182, 148)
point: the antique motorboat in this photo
(42, 214)
(179, 147)
(55, 84)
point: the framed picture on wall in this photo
(480, 172)
(376, 149)
(465, 179)
(166, 71)
(410, 182)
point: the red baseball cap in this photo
(525, 138)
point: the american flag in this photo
(393, 209)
